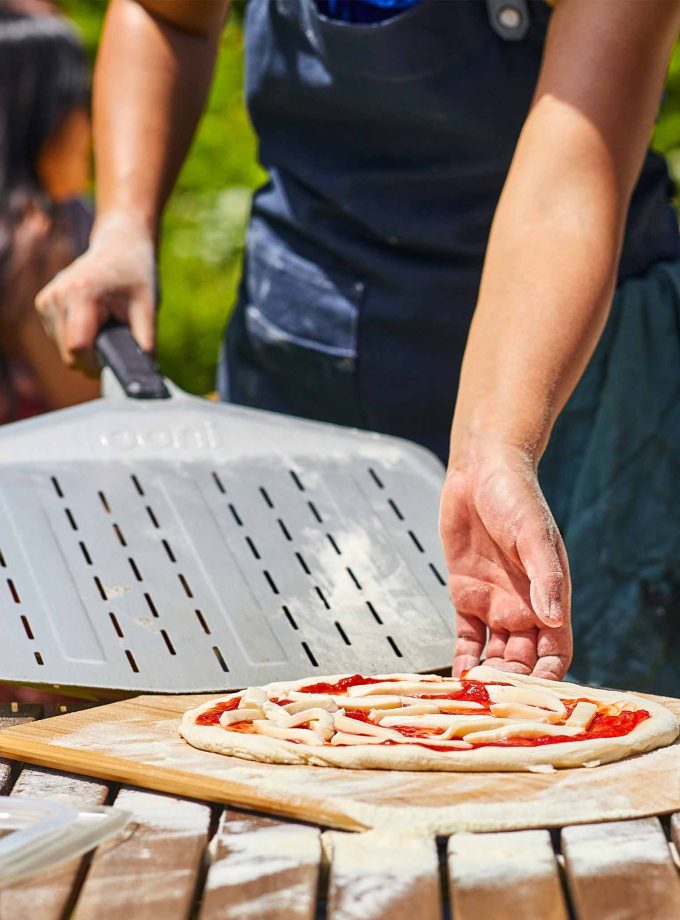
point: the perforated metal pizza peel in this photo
(179, 545)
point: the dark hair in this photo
(43, 77)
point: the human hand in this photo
(114, 279)
(508, 569)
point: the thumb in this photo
(544, 558)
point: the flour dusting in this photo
(595, 848)
(175, 817)
(259, 863)
(500, 859)
(396, 802)
(372, 870)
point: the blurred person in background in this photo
(44, 223)
(458, 191)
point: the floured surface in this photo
(597, 848)
(136, 742)
(261, 867)
(379, 874)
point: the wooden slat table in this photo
(179, 859)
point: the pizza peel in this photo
(136, 742)
(152, 541)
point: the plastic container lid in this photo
(37, 834)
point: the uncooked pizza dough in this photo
(486, 721)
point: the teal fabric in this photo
(611, 474)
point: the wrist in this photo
(505, 399)
(113, 228)
(123, 223)
(477, 447)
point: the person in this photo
(456, 190)
(44, 224)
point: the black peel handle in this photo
(117, 349)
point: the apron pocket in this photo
(297, 312)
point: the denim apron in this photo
(387, 146)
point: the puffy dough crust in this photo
(662, 728)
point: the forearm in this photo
(554, 245)
(544, 297)
(152, 78)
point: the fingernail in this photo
(554, 614)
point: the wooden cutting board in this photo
(136, 742)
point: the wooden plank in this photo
(48, 896)
(12, 714)
(150, 869)
(383, 876)
(135, 742)
(64, 707)
(620, 870)
(7, 770)
(510, 875)
(262, 868)
(675, 830)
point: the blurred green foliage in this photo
(205, 219)
(667, 133)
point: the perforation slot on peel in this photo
(201, 571)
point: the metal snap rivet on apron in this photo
(509, 17)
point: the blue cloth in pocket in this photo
(363, 11)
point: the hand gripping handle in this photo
(117, 349)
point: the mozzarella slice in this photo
(484, 673)
(522, 730)
(355, 727)
(345, 738)
(495, 675)
(522, 711)
(318, 702)
(530, 696)
(403, 687)
(445, 705)
(441, 720)
(300, 695)
(483, 723)
(308, 715)
(582, 716)
(439, 740)
(323, 726)
(240, 715)
(366, 703)
(418, 709)
(265, 727)
(252, 695)
(275, 713)
(342, 738)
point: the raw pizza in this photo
(488, 720)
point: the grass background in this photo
(205, 219)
